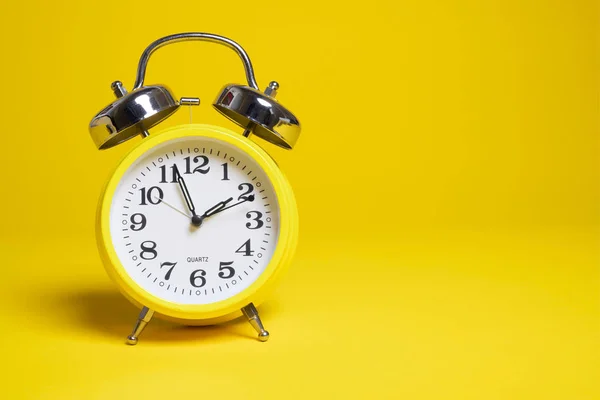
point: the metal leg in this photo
(143, 319)
(252, 314)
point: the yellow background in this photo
(448, 186)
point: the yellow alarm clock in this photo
(197, 223)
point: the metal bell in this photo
(259, 113)
(132, 114)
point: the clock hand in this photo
(215, 209)
(196, 221)
(249, 198)
(222, 206)
(171, 206)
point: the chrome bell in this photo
(133, 113)
(259, 113)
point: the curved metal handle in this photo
(184, 37)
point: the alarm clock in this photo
(197, 223)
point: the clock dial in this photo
(194, 220)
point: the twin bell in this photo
(135, 112)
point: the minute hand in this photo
(188, 199)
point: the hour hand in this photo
(223, 205)
(216, 208)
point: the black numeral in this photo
(246, 246)
(163, 174)
(151, 196)
(148, 247)
(256, 219)
(188, 165)
(137, 224)
(248, 189)
(168, 264)
(194, 278)
(225, 271)
(225, 172)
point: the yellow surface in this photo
(226, 310)
(447, 180)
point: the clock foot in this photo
(252, 314)
(143, 319)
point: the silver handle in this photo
(189, 36)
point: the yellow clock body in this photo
(148, 178)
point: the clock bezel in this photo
(225, 309)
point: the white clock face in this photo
(210, 257)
